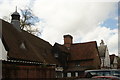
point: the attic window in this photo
(22, 46)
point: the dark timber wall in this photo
(17, 70)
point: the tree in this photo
(28, 21)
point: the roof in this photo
(83, 51)
(36, 49)
(112, 58)
(16, 13)
(102, 50)
(61, 47)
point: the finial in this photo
(16, 9)
(102, 42)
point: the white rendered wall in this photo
(3, 52)
(107, 59)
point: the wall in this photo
(97, 61)
(107, 59)
(3, 52)
(83, 63)
(13, 70)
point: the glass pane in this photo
(68, 74)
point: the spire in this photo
(16, 9)
(16, 15)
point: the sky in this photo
(86, 21)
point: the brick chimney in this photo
(68, 40)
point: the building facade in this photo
(23, 54)
(113, 61)
(78, 56)
(37, 58)
(104, 55)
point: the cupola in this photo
(16, 15)
(16, 20)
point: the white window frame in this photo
(76, 74)
(68, 74)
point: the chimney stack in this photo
(68, 41)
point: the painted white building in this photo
(104, 55)
(3, 52)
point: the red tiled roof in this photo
(83, 51)
(36, 48)
(61, 47)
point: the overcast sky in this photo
(85, 21)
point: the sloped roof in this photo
(36, 48)
(112, 58)
(83, 51)
(102, 50)
(61, 47)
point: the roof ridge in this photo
(84, 42)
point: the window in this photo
(69, 74)
(77, 64)
(62, 75)
(76, 74)
(22, 46)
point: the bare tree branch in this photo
(28, 20)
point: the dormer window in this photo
(22, 45)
